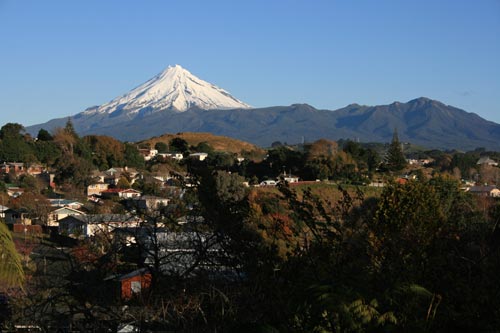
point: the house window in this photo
(135, 287)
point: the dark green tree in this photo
(14, 146)
(203, 147)
(11, 130)
(132, 156)
(396, 160)
(162, 147)
(179, 144)
(44, 135)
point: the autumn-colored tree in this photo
(489, 174)
(66, 138)
(107, 152)
(37, 206)
(322, 149)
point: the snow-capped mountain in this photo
(173, 89)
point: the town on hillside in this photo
(177, 233)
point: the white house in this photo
(148, 154)
(121, 193)
(486, 160)
(89, 225)
(59, 214)
(2, 211)
(199, 156)
(175, 156)
(129, 193)
(268, 182)
(291, 179)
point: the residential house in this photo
(59, 213)
(148, 154)
(2, 211)
(17, 216)
(20, 169)
(35, 169)
(113, 175)
(191, 219)
(290, 179)
(14, 191)
(129, 193)
(12, 167)
(268, 182)
(111, 193)
(65, 203)
(89, 225)
(98, 176)
(421, 162)
(175, 156)
(199, 156)
(486, 160)
(96, 188)
(157, 181)
(485, 190)
(148, 202)
(121, 193)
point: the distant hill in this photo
(421, 121)
(217, 142)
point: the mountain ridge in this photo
(422, 121)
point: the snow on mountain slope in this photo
(174, 89)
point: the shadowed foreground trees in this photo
(419, 258)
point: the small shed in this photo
(134, 283)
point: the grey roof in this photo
(484, 188)
(486, 160)
(140, 271)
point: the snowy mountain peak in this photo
(173, 89)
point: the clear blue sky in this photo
(59, 57)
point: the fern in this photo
(11, 270)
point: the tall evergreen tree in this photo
(396, 160)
